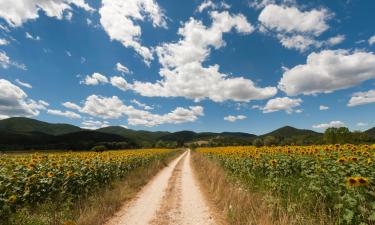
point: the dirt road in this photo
(171, 197)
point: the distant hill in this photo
(26, 133)
(371, 132)
(288, 131)
(81, 140)
(139, 136)
(27, 125)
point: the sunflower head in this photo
(50, 174)
(12, 199)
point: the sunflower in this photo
(362, 181)
(12, 199)
(273, 162)
(50, 174)
(341, 160)
(351, 181)
(31, 166)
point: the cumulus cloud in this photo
(119, 18)
(24, 84)
(29, 36)
(94, 124)
(336, 124)
(208, 4)
(71, 105)
(371, 40)
(114, 108)
(231, 118)
(327, 71)
(3, 41)
(362, 124)
(15, 102)
(69, 114)
(292, 20)
(323, 107)
(120, 83)
(6, 62)
(296, 29)
(362, 98)
(183, 74)
(142, 105)
(121, 68)
(284, 103)
(15, 13)
(95, 79)
(336, 40)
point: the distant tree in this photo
(258, 142)
(99, 148)
(270, 140)
(335, 135)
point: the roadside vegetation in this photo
(73, 188)
(325, 184)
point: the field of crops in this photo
(31, 179)
(340, 179)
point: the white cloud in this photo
(68, 53)
(120, 83)
(122, 68)
(69, 16)
(291, 19)
(284, 103)
(3, 41)
(23, 84)
(114, 108)
(361, 98)
(327, 71)
(119, 18)
(142, 105)
(208, 4)
(95, 79)
(6, 62)
(371, 40)
(183, 74)
(15, 102)
(69, 114)
(336, 40)
(15, 13)
(231, 118)
(323, 107)
(31, 37)
(260, 4)
(361, 124)
(299, 42)
(336, 124)
(71, 105)
(296, 29)
(83, 59)
(94, 124)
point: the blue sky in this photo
(249, 66)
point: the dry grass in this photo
(243, 207)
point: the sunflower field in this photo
(31, 179)
(338, 178)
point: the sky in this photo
(245, 65)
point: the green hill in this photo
(371, 132)
(139, 136)
(27, 125)
(288, 131)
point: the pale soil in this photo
(173, 196)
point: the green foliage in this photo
(98, 148)
(258, 142)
